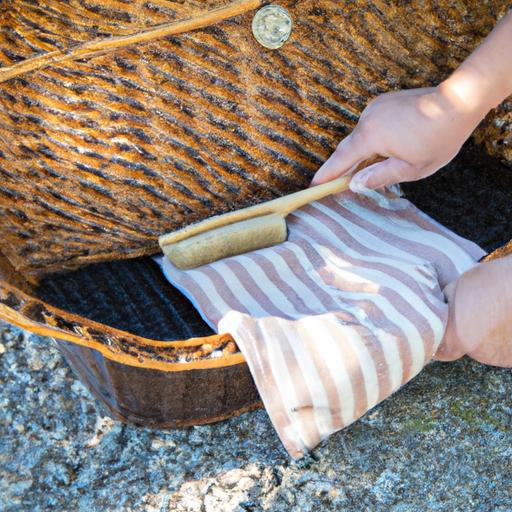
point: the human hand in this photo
(417, 130)
(479, 322)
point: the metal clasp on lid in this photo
(272, 26)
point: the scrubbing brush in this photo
(237, 232)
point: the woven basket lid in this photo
(121, 121)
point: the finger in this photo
(389, 171)
(447, 353)
(350, 152)
(450, 347)
(495, 354)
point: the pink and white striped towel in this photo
(337, 318)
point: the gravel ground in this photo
(443, 443)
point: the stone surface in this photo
(442, 443)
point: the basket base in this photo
(472, 196)
(131, 295)
(156, 399)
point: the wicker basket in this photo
(120, 121)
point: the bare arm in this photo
(421, 130)
(484, 79)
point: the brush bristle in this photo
(231, 240)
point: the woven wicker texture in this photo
(99, 156)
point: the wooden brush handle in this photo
(287, 204)
(283, 205)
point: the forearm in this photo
(484, 79)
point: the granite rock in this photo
(442, 443)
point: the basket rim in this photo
(31, 314)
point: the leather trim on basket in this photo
(22, 310)
(500, 252)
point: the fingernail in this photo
(360, 180)
(318, 178)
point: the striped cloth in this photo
(338, 317)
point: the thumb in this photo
(388, 172)
(349, 153)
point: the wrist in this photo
(468, 93)
(484, 79)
